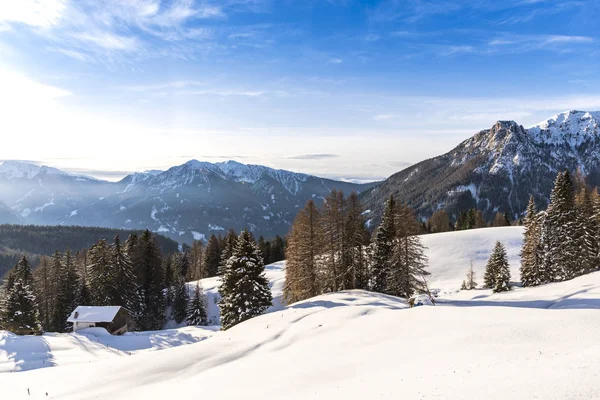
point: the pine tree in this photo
(227, 247)
(560, 239)
(532, 273)
(60, 307)
(332, 223)
(357, 240)
(502, 281)
(587, 231)
(212, 257)
(101, 275)
(197, 311)
(303, 248)
(196, 261)
(180, 299)
(44, 293)
(122, 288)
(407, 273)
(278, 250)
(245, 291)
(20, 313)
(150, 302)
(491, 269)
(69, 288)
(384, 248)
(497, 272)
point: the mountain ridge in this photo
(186, 202)
(497, 169)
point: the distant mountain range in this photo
(497, 169)
(186, 202)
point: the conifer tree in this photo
(587, 233)
(407, 268)
(150, 302)
(180, 299)
(357, 242)
(491, 269)
(502, 281)
(196, 261)
(561, 253)
(20, 313)
(303, 248)
(384, 248)
(212, 257)
(532, 272)
(123, 286)
(60, 308)
(497, 272)
(44, 293)
(245, 291)
(101, 275)
(278, 250)
(332, 228)
(68, 290)
(227, 247)
(197, 310)
(169, 279)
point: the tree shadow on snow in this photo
(29, 352)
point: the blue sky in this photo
(339, 88)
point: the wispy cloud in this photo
(383, 117)
(522, 43)
(335, 61)
(313, 156)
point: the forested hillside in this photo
(36, 241)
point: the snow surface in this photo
(22, 353)
(528, 343)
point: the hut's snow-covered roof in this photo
(94, 314)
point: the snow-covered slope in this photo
(356, 345)
(498, 169)
(22, 353)
(528, 343)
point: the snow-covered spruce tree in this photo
(227, 246)
(67, 293)
(502, 269)
(303, 247)
(181, 299)
(560, 236)
(384, 248)
(44, 291)
(244, 291)
(531, 256)
(20, 313)
(587, 232)
(197, 313)
(491, 269)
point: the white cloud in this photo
(383, 117)
(335, 61)
(37, 13)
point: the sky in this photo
(336, 88)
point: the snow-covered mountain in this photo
(185, 202)
(498, 168)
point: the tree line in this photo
(330, 249)
(137, 276)
(562, 242)
(37, 241)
